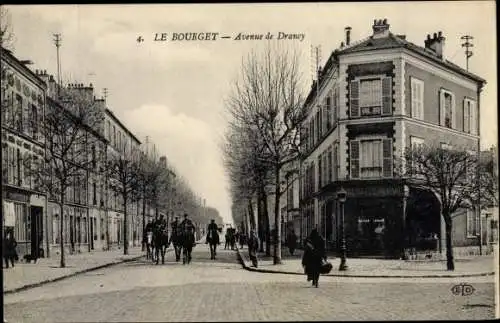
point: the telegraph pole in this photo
(57, 42)
(467, 45)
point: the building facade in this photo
(122, 142)
(372, 100)
(24, 204)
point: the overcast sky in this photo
(174, 92)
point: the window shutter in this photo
(386, 96)
(334, 106)
(467, 117)
(354, 158)
(441, 108)
(473, 118)
(354, 99)
(413, 98)
(420, 100)
(387, 157)
(453, 112)
(335, 162)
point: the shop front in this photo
(24, 217)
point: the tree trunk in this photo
(143, 219)
(450, 265)
(260, 229)
(277, 220)
(251, 214)
(125, 225)
(267, 229)
(61, 230)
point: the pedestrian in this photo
(227, 239)
(242, 239)
(314, 254)
(291, 241)
(9, 248)
(253, 246)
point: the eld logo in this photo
(462, 289)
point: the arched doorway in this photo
(423, 221)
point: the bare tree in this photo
(452, 175)
(269, 100)
(7, 38)
(64, 171)
(123, 169)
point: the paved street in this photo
(221, 290)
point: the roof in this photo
(392, 41)
(22, 68)
(112, 115)
(398, 41)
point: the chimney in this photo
(347, 35)
(380, 28)
(436, 43)
(341, 44)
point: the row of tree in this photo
(266, 108)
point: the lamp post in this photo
(342, 197)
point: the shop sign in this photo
(10, 214)
(16, 196)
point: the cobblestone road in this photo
(220, 290)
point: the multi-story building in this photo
(24, 203)
(372, 99)
(121, 142)
(82, 210)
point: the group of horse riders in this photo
(182, 238)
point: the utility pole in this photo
(467, 45)
(57, 42)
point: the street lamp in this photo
(342, 197)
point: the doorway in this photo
(36, 236)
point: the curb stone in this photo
(244, 265)
(53, 280)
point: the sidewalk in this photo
(29, 275)
(376, 268)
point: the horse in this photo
(188, 242)
(160, 243)
(213, 241)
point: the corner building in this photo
(372, 100)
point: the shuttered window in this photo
(320, 172)
(466, 126)
(447, 113)
(354, 158)
(417, 99)
(470, 117)
(354, 99)
(335, 162)
(335, 105)
(330, 165)
(328, 118)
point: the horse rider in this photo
(160, 237)
(174, 238)
(187, 230)
(213, 238)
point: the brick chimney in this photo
(436, 43)
(347, 35)
(380, 28)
